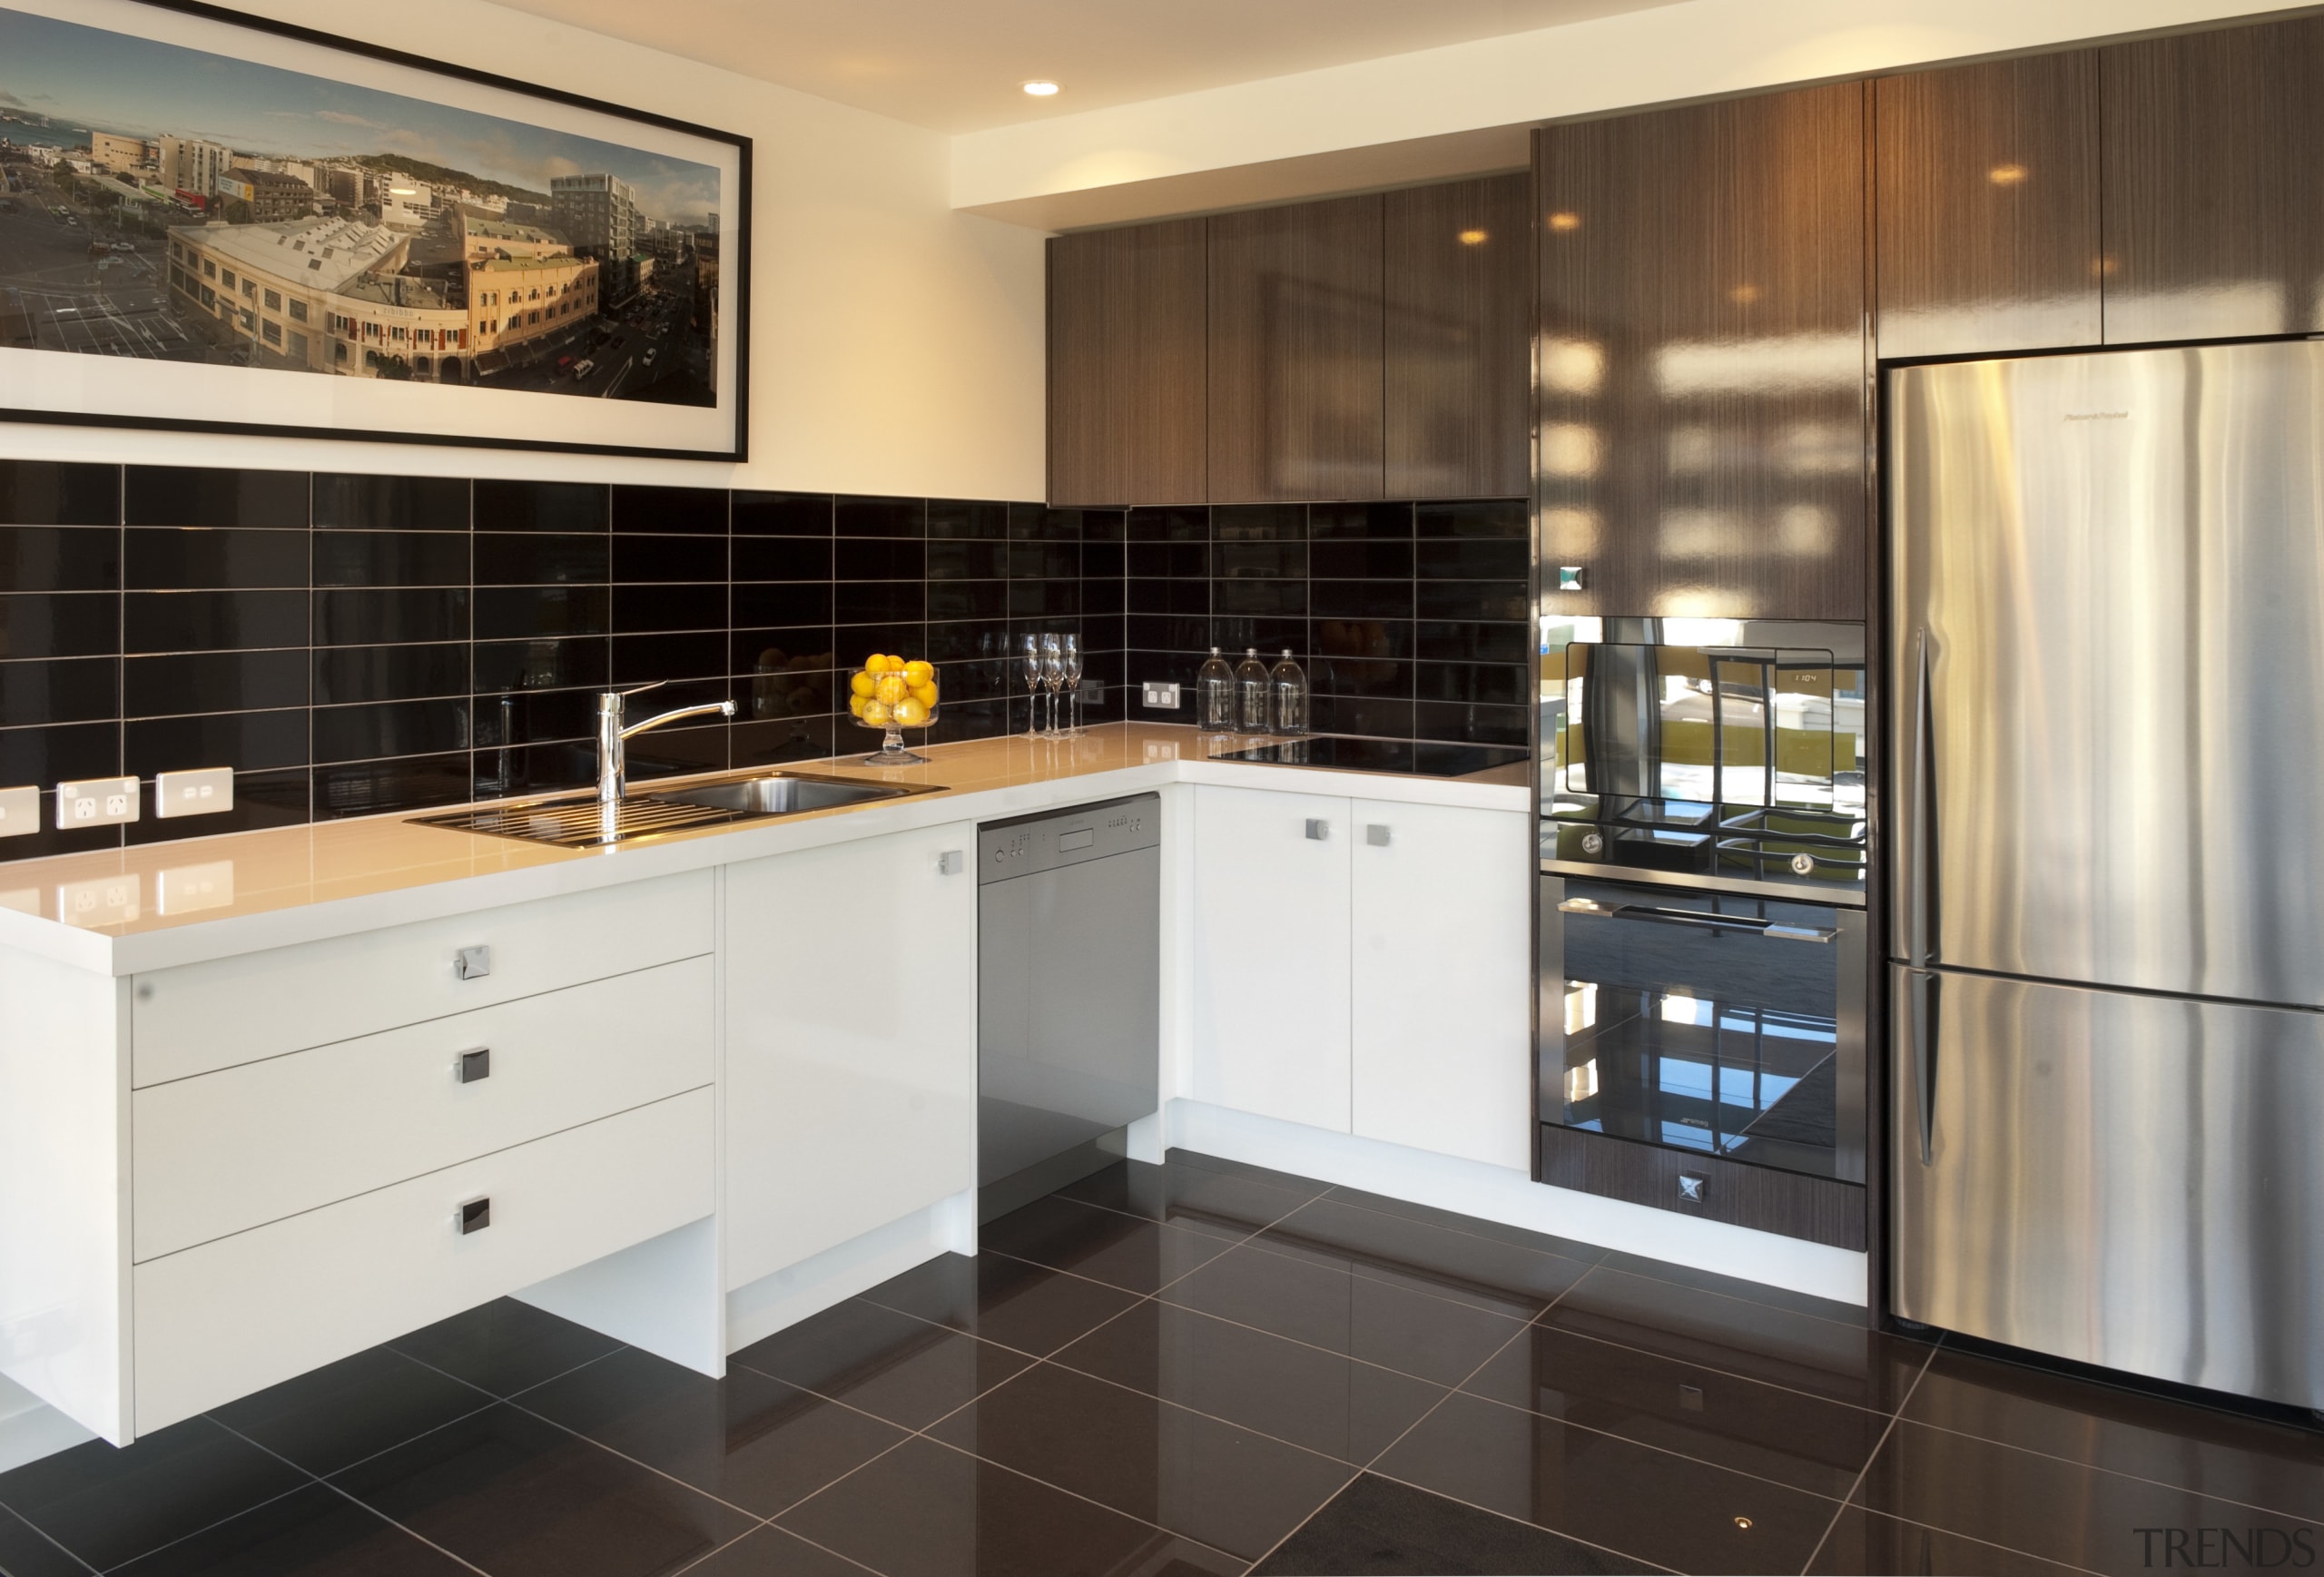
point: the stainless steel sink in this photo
(783, 795)
(573, 821)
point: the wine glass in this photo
(1072, 670)
(1031, 649)
(1052, 680)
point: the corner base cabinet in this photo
(1364, 966)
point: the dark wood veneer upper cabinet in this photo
(2214, 172)
(1296, 353)
(1127, 355)
(1458, 281)
(1702, 363)
(1986, 197)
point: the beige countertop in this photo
(120, 910)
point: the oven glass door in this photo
(1714, 1023)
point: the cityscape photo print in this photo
(177, 204)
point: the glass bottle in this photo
(1288, 685)
(1215, 696)
(1251, 693)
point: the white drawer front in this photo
(226, 1151)
(230, 1010)
(249, 1311)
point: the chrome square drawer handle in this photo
(474, 1215)
(473, 963)
(470, 1066)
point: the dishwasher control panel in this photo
(1043, 842)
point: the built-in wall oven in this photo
(1702, 926)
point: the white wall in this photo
(896, 344)
(1696, 49)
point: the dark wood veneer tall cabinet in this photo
(1128, 349)
(1703, 362)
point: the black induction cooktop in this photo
(1343, 752)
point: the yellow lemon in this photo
(875, 713)
(892, 689)
(924, 694)
(856, 703)
(875, 664)
(912, 711)
(919, 674)
(863, 685)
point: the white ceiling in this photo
(960, 67)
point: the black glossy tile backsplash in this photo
(352, 645)
(1412, 619)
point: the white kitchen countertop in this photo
(119, 912)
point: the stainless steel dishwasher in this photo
(1069, 993)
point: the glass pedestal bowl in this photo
(894, 703)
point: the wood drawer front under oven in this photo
(246, 1312)
(201, 1017)
(223, 1152)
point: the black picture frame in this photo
(735, 232)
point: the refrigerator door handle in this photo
(1921, 940)
(1921, 1026)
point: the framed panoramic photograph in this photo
(218, 222)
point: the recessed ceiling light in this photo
(1041, 90)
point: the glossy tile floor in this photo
(1196, 1368)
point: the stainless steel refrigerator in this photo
(2106, 824)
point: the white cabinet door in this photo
(1271, 954)
(851, 1042)
(1444, 979)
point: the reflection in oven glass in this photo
(1749, 1083)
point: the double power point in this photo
(104, 802)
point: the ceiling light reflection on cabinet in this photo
(1474, 237)
(1575, 532)
(1776, 364)
(1572, 366)
(1041, 89)
(1565, 222)
(2006, 174)
(1569, 449)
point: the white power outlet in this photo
(200, 792)
(97, 801)
(1161, 695)
(19, 811)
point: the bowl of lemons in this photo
(889, 694)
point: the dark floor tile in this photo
(1003, 1300)
(2059, 1510)
(1866, 1544)
(26, 1551)
(1190, 1195)
(1824, 1308)
(1756, 1340)
(1106, 1246)
(771, 1549)
(2260, 1464)
(1311, 1399)
(347, 1411)
(900, 1369)
(1227, 1487)
(108, 1505)
(1789, 1436)
(315, 1531)
(504, 1347)
(750, 1441)
(925, 1510)
(1542, 1242)
(1378, 1526)
(1610, 1492)
(1497, 1276)
(1360, 1317)
(518, 1496)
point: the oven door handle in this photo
(1696, 917)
